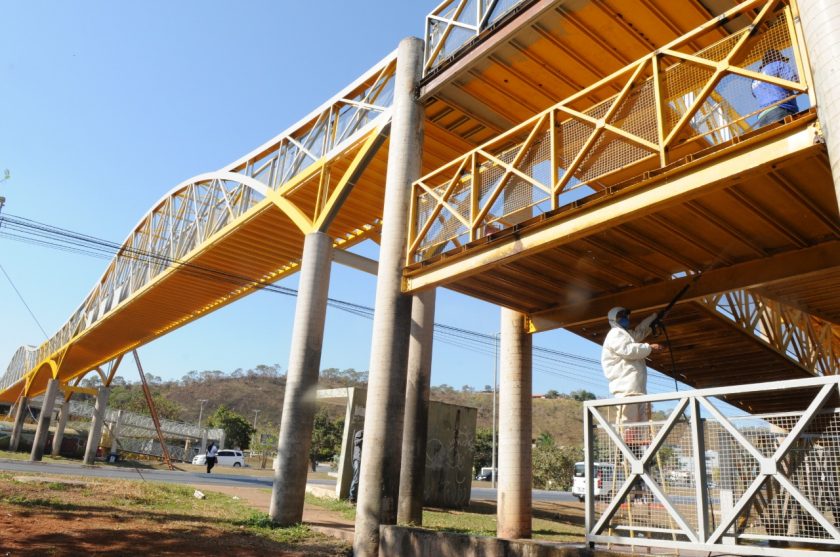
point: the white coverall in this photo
(623, 360)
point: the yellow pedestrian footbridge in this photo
(577, 155)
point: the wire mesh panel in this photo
(453, 23)
(689, 470)
(136, 432)
(672, 103)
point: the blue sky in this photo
(105, 106)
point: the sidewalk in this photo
(329, 523)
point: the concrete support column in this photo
(514, 508)
(381, 455)
(203, 441)
(187, 457)
(44, 421)
(58, 438)
(412, 475)
(222, 440)
(95, 434)
(298, 416)
(115, 433)
(821, 26)
(17, 429)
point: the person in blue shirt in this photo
(775, 101)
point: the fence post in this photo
(698, 447)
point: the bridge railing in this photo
(454, 23)
(701, 475)
(673, 102)
(197, 209)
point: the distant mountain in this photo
(263, 389)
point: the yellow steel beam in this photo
(703, 175)
(367, 151)
(745, 275)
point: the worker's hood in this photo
(619, 317)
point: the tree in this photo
(552, 394)
(554, 467)
(132, 399)
(482, 449)
(326, 438)
(236, 427)
(264, 442)
(582, 395)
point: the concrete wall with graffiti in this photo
(449, 455)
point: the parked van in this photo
(603, 480)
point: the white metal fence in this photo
(701, 474)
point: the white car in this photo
(225, 457)
(603, 480)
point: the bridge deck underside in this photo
(783, 207)
(778, 213)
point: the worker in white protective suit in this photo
(623, 360)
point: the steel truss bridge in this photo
(648, 171)
(576, 156)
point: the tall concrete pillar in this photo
(513, 518)
(95, 434)
(381, 455)
(187, 457)
(222, 440)
(410, 506)
(821, 26)
(44, 421)
(58, 437)
(298, 415)
(115, 433)
(17, 429)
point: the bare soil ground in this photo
(63, 516)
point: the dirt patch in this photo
(135, 518)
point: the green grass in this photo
(480, 521)
(41, 502)
(347, 510)
(172, 505)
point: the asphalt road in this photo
(120, 473)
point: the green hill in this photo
(263, 389)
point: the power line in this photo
(24, 302)
(37, 233)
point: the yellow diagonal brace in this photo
(368, 149)
(294, 213)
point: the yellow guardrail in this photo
(673, 102)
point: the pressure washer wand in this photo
(657, 324)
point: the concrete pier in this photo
(95, 434)
(296, 423)
(514, 509)
(410, 505)
(44, 420)
(63, 415)
(22, 410)
(821, 27)
(381, 454)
